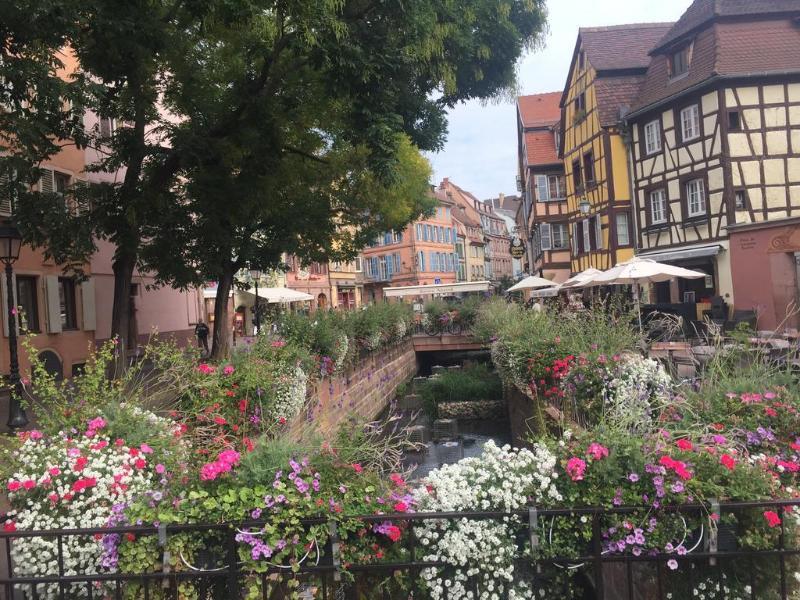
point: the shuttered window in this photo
(546, 239)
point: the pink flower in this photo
(396, 479)
(209, 471)
(576, 467)
(684, 445)
(160, 469)
(54, 471)
(205, 369)
(97, 423)
(229, 457)
(278, 344)
(145, 449)
(36, 434)
(773, 520)
(400, 507)
(13, 486)
(29, 484)
(719, 439)
(82, 484)
(228, 370)
(727, 461)
(597, 451)
(357, 467)
(140, 463)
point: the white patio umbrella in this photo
(579, 279)
(274, 295)
(638, 271)
(532, 282)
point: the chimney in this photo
(500, 197)
(445, 183)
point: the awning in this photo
(275, 295)
(683, 253)
(440, 289)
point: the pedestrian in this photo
(201, 331)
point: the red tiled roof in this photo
(613, 93)
(758, 46)
(621, 46)
(727, 48)
(703, 11)
(541, 147)
(539, 110)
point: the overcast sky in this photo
(481, 150)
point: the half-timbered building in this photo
(541, 177)
(715, 142)
(608, 65)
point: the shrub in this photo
(473, 382)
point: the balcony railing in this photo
(764, 573)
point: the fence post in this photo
(712, 540)
(533, 531)
(165, 555)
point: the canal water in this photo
(446, 441)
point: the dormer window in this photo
(679, 62)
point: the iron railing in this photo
(767, 571)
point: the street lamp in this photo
(255, 275)
(584, 206)
(10, 244)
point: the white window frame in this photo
(690, 123)
(559, 236)
(623, 233)
(545, 237)
(652, 137)
(359, 264)
(660, 193)
(598, 232)
(695, 194)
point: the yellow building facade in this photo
(607, 67)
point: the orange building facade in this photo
(423, 253)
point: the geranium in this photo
(684, 445)
(576, 467)
(727, 461)
(597, 451)
(773, 520)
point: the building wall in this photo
(607, 193)
(70, 346)
(364, 391)
(312, 279)
(553, 264)
(766, 262)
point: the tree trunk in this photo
(221, 342)
(123, 266)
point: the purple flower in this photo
(633, 477)
(256, 513)
(677, 487)
(636, 551)
(672, 564)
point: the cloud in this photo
(481, 150)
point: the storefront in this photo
(766, 271)
(693, 296)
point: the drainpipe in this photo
(797, 276)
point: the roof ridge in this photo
(625, 26)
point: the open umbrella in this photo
(638, 271)
(579, 279)
(532, 282)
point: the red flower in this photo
(133, 451)
(140, 463)
(357, 467)
(29, 484)
(282, 420)
(727, 461)
(13, 486)
(684, 445)
(9, 526)
(230, 394)
(220, 420)
(771, 412)
(130, 537)
(80, 464)
(393, 532)
(82, 484)
(400, 507)
(119, 442)
(242, 405)
(773, 520)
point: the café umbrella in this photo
(638, 271)
(532, 282)
(581, 278)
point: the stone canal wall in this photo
(365, 390)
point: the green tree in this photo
(251, 127)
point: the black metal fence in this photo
(718, 563)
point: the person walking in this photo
(201, 331)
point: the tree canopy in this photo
(249, 128)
